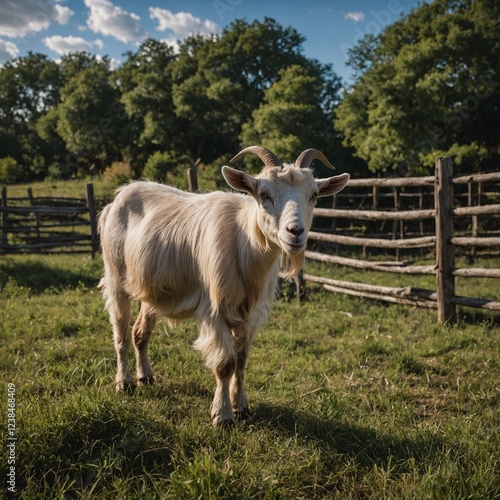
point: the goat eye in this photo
(314, 197)
(263, 196)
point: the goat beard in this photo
(291, 265)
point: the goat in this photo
(213, 256)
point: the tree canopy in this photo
(427, 86)
(80, 116)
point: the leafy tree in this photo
(159, 164)
(9, 170)
(91, 118)
(29, 86)
(292, 116)
(145, 83)
(219, 81)
(78, 116)
(427, 86)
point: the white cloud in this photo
(98, 43)
(181, 24)
(65, 44)
(111, 20)
(20, 17)
(8, 51)
(354, 16)
(63, 14)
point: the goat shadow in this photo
(39, 277)
(335, 437)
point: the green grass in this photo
(68, 189)
(350, 398)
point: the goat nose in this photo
(295, 230)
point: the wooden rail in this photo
(48, 225)
(443, 241)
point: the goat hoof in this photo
(224, 424)
(145, 381)
(243, 414)
(125, 386)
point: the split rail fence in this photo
(65, 225)
(48, 224)
(441, 218)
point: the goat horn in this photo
(268, 157)
(306, 158)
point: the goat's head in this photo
(286, 195)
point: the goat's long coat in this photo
(188, 254)
(212, 256)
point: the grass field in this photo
(350, 399)
(66, 189)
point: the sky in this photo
(113, 27)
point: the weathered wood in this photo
(479, 303)
(422, 297)
(376, 214)
(5, 217)
(445, 251)
(36, 215)
(392, 182)
(478, 210)
(192, 176)
(44, 210)
(391, 267)
(477, 272)
(385, 298)
(466, 179)
(425, 241)
(480, 242)
(94, 238)
(406, 291)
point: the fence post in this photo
(94, 239)
(192, 175)
(5, 239)
(37, 217)
(445, 250)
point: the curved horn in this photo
(268, 157)
(306, 158)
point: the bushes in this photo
(118, 173)
(9, 170)
(158, 165)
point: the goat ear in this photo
(239, 180)
(332, 185)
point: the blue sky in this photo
(112, 27)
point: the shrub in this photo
(118, 173)
(158, 165)
(10, 171)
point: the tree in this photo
(145, 83)
(29, 87)
(292, 116)
(427, 86)
(91, 117)
(219, 81)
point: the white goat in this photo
(212, 256)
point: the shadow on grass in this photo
(90, 450)
(39, 276)
(366, 446)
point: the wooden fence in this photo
(63, 225)
(441, 238)
(48, 224)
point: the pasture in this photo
(350, 399)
